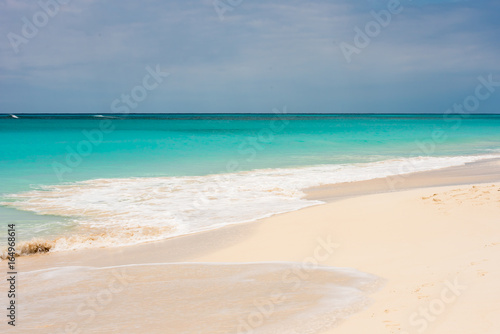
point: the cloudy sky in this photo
(246, 55)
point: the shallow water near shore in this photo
(259, 298)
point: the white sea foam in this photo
(112, 212)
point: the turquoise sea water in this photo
(131, 178)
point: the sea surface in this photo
(75, 181)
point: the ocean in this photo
(75, 181)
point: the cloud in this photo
(270, 51)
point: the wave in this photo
(107, 116)
(125, 211)
(260, 298)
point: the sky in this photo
(239, 56)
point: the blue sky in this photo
(261, 55)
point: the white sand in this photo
(438, 250)
(417, 240)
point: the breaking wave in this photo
(125, 211)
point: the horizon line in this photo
(251, 113)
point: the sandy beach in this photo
(250, 167)
(422, 258)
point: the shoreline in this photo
(482, 171)
(84, 238)
(418, 240)
(180, 247)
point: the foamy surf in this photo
(126, 211)
(257, 298)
